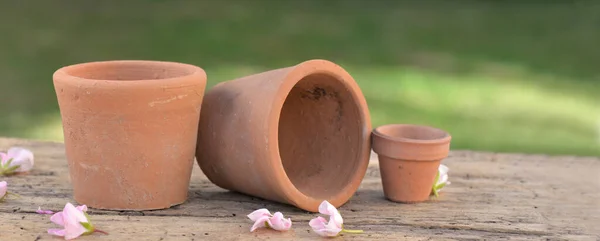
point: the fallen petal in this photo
(57, 232)
(259, 223)
(73, 226)
(58, 218)
(324, 228)
(318, 223)
(73, 219)
(258, 214)
(326, 208)
(3, 158)
(22, 158)
(278, 222)
(443, 169)
(443, 178)
(40, 211)
(77, 215)
(82, 208)
(335, 216)
(3, 189)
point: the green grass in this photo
(511, 76)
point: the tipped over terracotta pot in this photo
(296, 135)
(409, 157)
(130, 131)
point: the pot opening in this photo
(320, 135)
(412, 132)
(130, 70)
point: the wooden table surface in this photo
(492, 196)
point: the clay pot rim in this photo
(381, 130)
(300, 71)
(64, 74)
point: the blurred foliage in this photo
(511, 76)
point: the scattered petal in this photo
(263, 218)
(57, 232)
(324, 228)
(441, 179)
(279, 223)
(82, 208)
(443, 169)
(3, 189)
(258, 214)
(21, 157)
(259, 223)
(334, 215)
(3, 158)
(16, 160)
(74, 221)
(330, 228)
(40, 211)
(58, 218)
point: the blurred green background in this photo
(509, 76)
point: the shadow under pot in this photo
(297, 135)
(409, 158)
(130, 131)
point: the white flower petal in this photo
(443, 169)
(443, 179)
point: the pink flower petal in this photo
(335, 216)
(82, 208)
(70, 218)
(58, 219)
(324, 228)
(258, 214)
(57, 232)
(40, 211)
(259, 223)
(3, 158)
(74, 213)
(278, 222)
(318, 223)
(73, 230)
(21, 157)
(3, 188)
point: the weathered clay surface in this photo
(130, 131)
(493, 196)
(297, 135)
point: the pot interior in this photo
(320, 133)
(411, 132)
(129, 70)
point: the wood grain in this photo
(492, 196)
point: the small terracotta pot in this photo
(296, 135)
(409, 157)
(130, 131)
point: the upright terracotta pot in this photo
(130, 131)
(296, 135)
(409, 157)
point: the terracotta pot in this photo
(296, 135)
(130, 131)
(409, 157)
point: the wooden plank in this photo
(492, 196)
